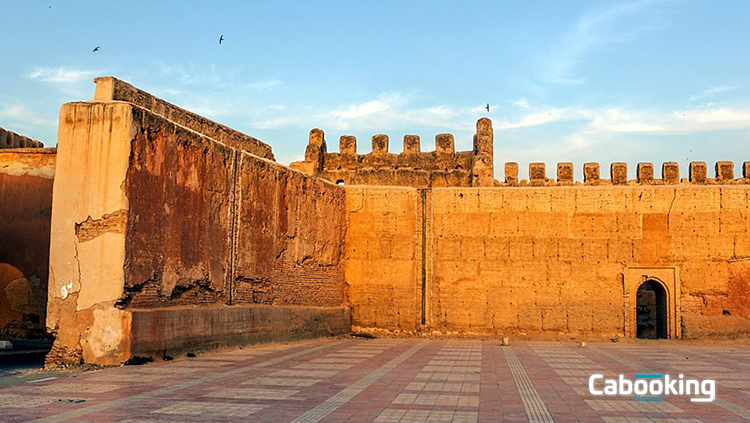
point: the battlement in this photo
(618, 174)
(412, 167)
(9, 139)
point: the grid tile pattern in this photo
(392, 380)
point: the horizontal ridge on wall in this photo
(618, 171)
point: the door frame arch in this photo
(661, 303)
(668, 278)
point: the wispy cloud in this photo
(684, 121)
(706, 117)
(719, 89)
(522, 103)
(712, 92)
(399, 110)
(62, 75)
(617, 23)
(193, 74)
(616, 134)
(266, 85)
(387, 110)
(20, 113)
(536, 118)
(384, 104)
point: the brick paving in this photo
(391, 381)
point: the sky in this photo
(573, 81)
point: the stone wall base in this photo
(706, 327)
(176, 330)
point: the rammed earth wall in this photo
(171, 232)
(557, 261)
(151, 218)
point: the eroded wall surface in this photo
(290, 237)
(150, 215)
(560, 260)
(26, 177)
(209, 224)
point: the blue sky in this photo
(567, 81)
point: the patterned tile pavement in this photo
(391, 381)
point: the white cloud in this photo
(536, 118)
(618, 23)
(387, 110)
(195, 75)
(385, 103)
(522, 103)
(700, 119)
(706, 117)
(397, 110)
(62, 75)
(207, 109)
(20, 113)
(615, 120)
(266, 85)
(712, 118)
(712, 92)
(719, 89)
(274, 122)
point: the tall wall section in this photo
(558, 261)
(384, 256)
(165, 239)
(26, 176)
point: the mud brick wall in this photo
(26, 177)
(561, 260)
(9, 139)
(289, 241)
(530, 261)
(149, 214)
(383, 256)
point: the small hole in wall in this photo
(726, 313)
(340, 182)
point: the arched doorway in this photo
(651, 310)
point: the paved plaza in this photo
(391, 381)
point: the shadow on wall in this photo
(26, 178)
(21, 304)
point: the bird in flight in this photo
(487, 107)
(221, 38)
(95, 49)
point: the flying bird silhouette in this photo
(488, 107)
(95, 49)
(221, 38)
